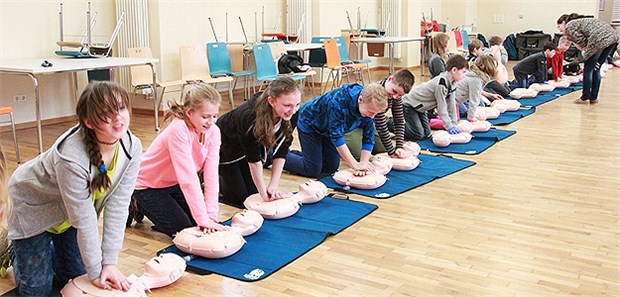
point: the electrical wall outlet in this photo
(19, 98)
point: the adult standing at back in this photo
(597, 40)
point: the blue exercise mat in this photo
(480, 142)
(510, 117)
(430, 168)
(279, 242)
(544, 97)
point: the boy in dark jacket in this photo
(533, 69)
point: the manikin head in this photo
(313, 189)
(247, 218)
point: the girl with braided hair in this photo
(168, 188)
(57, 197)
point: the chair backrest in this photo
(265, 67)
(236, 53)
(451, 43)
(332, 55)
(465, 36)
(317, 56)
(278, 49)
(194, 65)
(219, 59)
(140, 75)
(342, 49)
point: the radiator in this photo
(134, 33)
(299, 19)
(391, 11)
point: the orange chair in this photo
(9, 110)
(332, 63)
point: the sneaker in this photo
(580, 101)
(595, 101)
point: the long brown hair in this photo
(100, 101)
(484, 67)
(198, 94)
(439, 44)
(263, 125)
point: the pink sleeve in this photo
(211, 174)
(180, 147)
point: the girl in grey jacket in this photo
(58, 196)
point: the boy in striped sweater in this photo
(396, 86)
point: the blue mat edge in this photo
(206, 272)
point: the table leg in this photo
(391, 51)
(155, 99)
(37, 104)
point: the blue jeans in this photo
(166, 208)
(318, 156)
(417, 125)
(592, 73)
(45, 259)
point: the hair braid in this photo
(101, 180)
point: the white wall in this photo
(30, 29)
(519, 16)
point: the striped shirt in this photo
(381, 123)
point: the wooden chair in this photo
(277, 50)
(8, 110)
(195, 68)
(142, 77)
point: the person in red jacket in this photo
(556, 63)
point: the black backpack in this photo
(290, 63)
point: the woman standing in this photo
(597, 40)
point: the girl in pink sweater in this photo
(168, 187)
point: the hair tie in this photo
(102, 168)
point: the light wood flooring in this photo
(536, 216)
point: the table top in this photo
(387, 39)
(302, 46)
(33, 65)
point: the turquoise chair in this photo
(465, 36)
(220, 65)
(343, 50)
(266, 70)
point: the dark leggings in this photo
(236, 183)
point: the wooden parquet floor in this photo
(536, 216)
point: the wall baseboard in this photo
(33, 124)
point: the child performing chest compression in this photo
(323, 122)
(58, 196)
(396, 86)
(437, 92)
(258, 130)
(469, 90)
(168, 188)
(533, 69)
